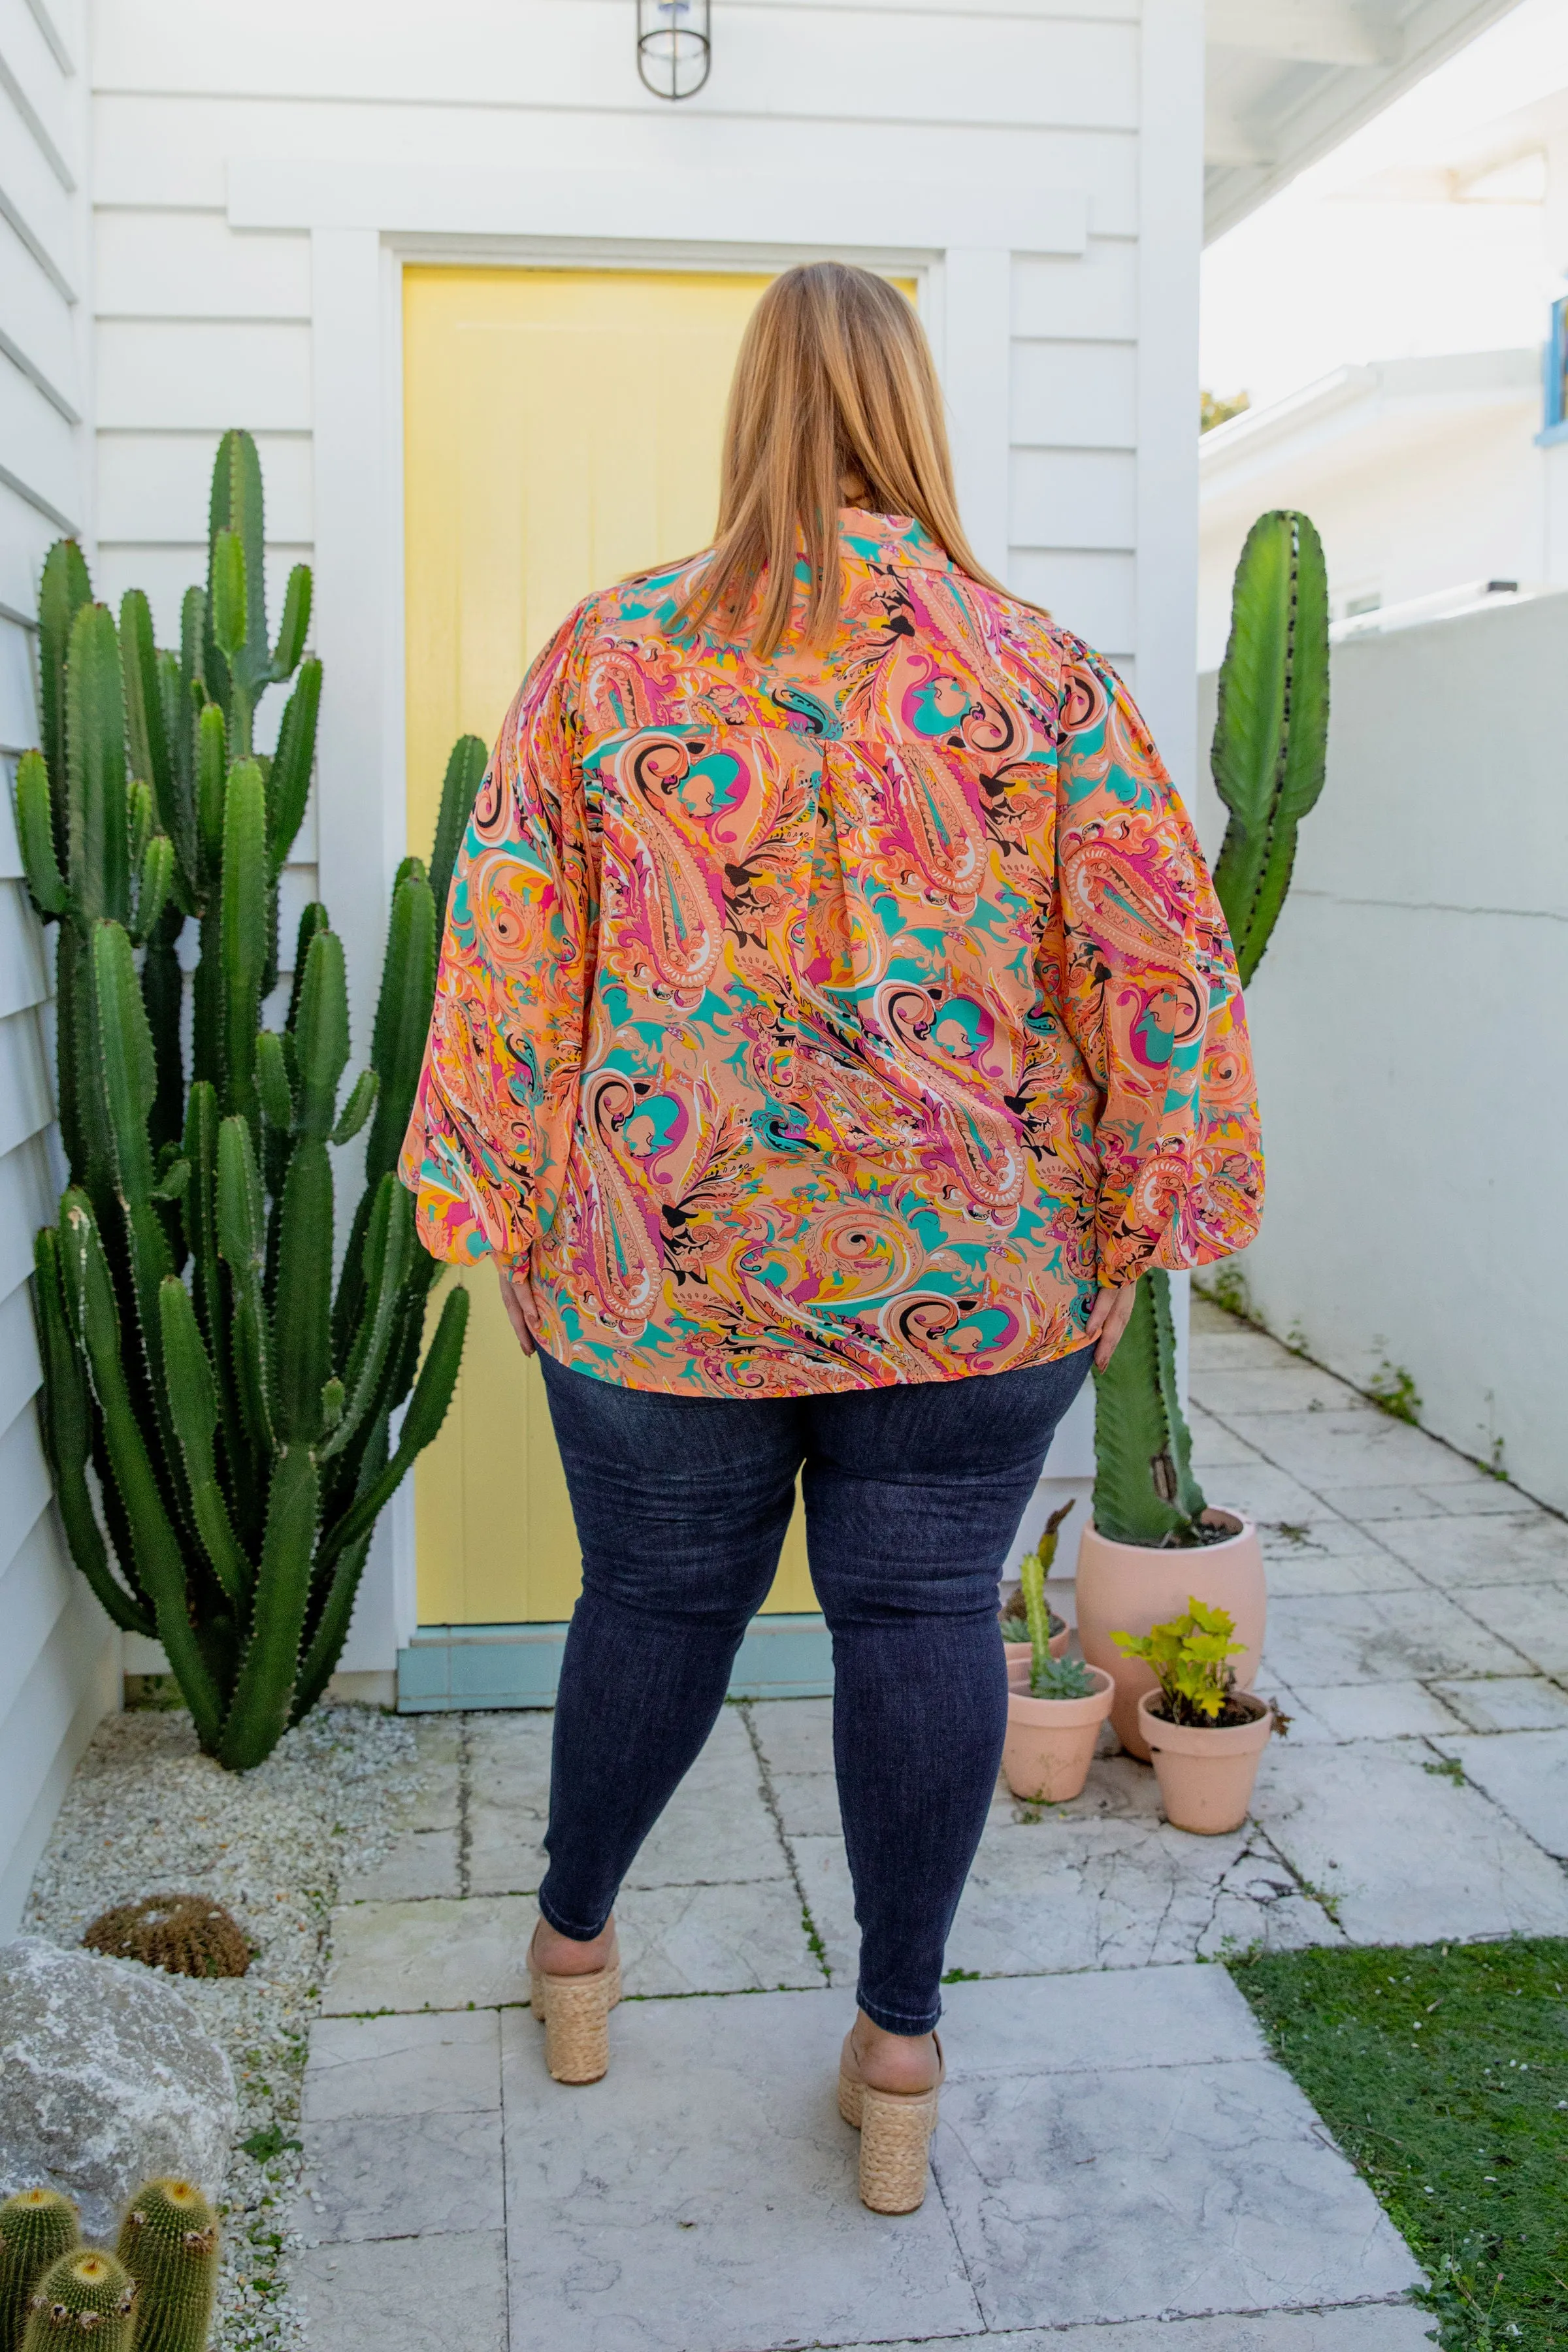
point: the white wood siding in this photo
(59, 1657)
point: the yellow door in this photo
(561, 428)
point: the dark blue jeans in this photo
(912, 1497)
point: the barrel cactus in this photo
(188, 1935)
(234, 1405)
(1268, 757)
(85, 2298)
(37, 2227)
(169, 2245)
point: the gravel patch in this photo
(146, 1813)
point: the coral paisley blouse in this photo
(836, 1021)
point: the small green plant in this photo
(85, 2290)
(37, 2227)
(1015, 1619)
(1447, 1768)
(1060, 1678)
(169, 2245)
(1226, 1285)
(1032, 1584)
(1394, 1392)
(1190, 1656)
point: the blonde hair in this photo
(835, 377)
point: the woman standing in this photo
(834, 1017)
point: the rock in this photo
(107, 2077)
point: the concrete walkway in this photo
(1120, 2167)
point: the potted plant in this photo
(1014, 1620)
(1151, 1526)
(1054, 1705)
(1205, 1735)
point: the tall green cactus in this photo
(1268, 757)
(1271, 731)
(235, 1412)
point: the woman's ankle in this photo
(567, 1956)
(894, 2062)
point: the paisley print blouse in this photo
(834, 1021)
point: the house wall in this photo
(1407, 1023)
(59, 1656)
(1403, 509)
(242, 275)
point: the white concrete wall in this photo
(1409, 1027)
(59, 1656)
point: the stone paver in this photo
(1381, 1637)
(383, 2296)
(1504, 1549)
(1345, 2327)
(1404, 1853)
(1120, 2167)
(1531, 1618)
(1508, 1703)
(1527, 1775)
(710, 2193)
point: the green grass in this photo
(1442, 2070)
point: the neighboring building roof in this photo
(1384, 403)
(1288, 79)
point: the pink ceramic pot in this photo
(1128, 1588)
(1205, 1777)
(1050, 1741)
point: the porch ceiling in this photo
(1288, 79)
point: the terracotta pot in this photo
(1050, 1741)
(1205, 1777)
(1021, 1654)
(1128, 1588)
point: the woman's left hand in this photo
(1107, 1320)
(516, 1315)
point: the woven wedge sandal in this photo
(895, 2128)
(576, 2014)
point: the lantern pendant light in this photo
(675, 46)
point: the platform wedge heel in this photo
(895, 2128)
(576, 2014)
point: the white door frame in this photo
(364, 224)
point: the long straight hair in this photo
(835, 377)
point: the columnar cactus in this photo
(236, 1411)
(169, 2245)
(1268, 757)
(87, 2297)
(37, 2227)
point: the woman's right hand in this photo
(515, 1314)
(1107, 1320)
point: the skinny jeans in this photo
(912, 1496)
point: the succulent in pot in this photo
(1152, 1534)
(1014, 1620)
(1056, 1706)
(1204, 1734)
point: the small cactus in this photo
(169, 2244)
(87, 2294)
(37, 2227)
(189, 1934)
